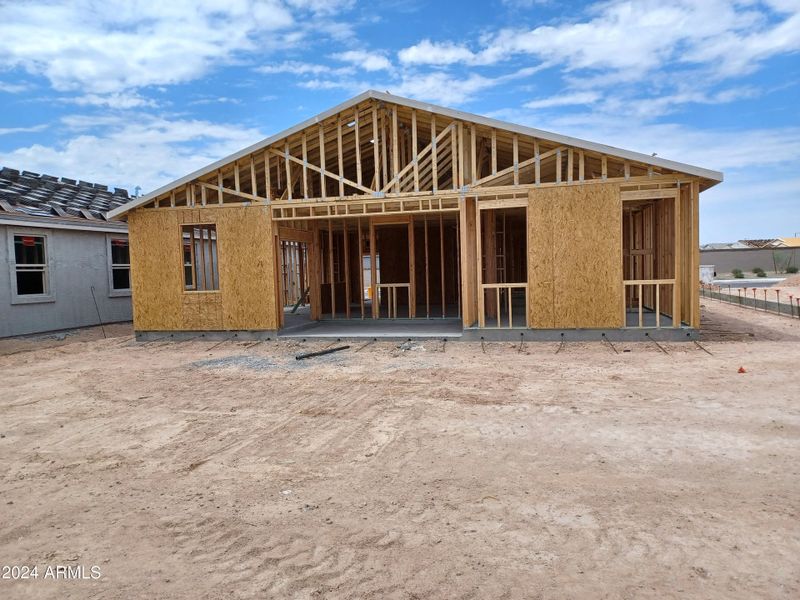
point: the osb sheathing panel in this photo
(156, 282)
(575, 252)
(540, 262)
(245, 299)
(246, 266)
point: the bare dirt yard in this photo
(196, 470)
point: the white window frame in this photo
(49, 295)
(112, 293)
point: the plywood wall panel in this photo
(156, 283)
(540, 262)
(246, 298)
(246, 266)
(575, 252)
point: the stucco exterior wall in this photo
(77, 261)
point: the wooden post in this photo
(494, 152)
(441, 263)
(373, 271)
(346, 268)
(267, 182)
(473, 153)
(434, 156)
(676, 288)
(376, 154)
(516, 159)
(360, 268)
(395, 151)
(558, 165)
(414, 148)
(305, 166)
(358, 151)
(322, 180)
(479, 263)
(427, 274)
(330, 269)
(384, 153)
(341, 164)
(695, 249)
(288, 171)
(570, 164)
(412, 271)
(457, 155)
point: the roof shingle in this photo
(47, 196)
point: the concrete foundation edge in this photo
(667, 334)
(185, 336)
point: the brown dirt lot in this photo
(185, 470)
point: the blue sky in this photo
(139, 93)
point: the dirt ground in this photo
(196, 470)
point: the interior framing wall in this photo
(246, 299)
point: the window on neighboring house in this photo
(120, 265)
(200, 261)
(30, 257)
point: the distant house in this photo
(65, 263)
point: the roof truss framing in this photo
(376, 151)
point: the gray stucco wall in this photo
(78, 260)
(748, 258)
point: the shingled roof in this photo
(38, 195)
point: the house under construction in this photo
(390, 217)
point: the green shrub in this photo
(761, 274)
(792, 269)
(738, 274)
(758, 271)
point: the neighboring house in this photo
(65, 263)
(788, 242)
(773, 254)
(384, 209)
(723, 246)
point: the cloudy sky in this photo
(137, 93)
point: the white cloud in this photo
(322, 7)
(114, 100)
(116, 45)
(367, 60)
(633, 38)
(217, 100)
(448, 89)
(13, 88)
(442, 88)
(430, 53)
(32, 129)
(125, 152)
(301, 68)
(566, 99)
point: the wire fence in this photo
(760, 299)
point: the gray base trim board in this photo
(667, 334)
(185, 336)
